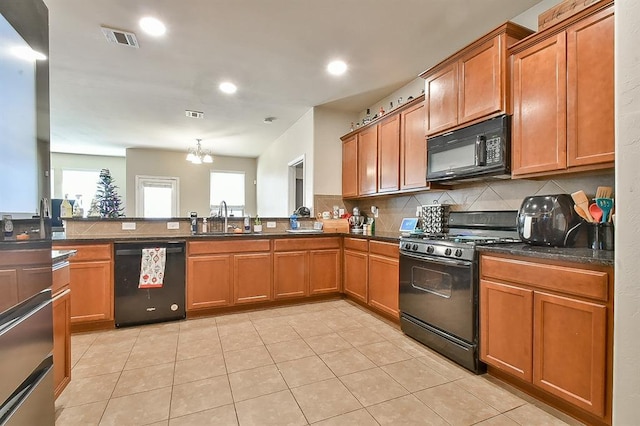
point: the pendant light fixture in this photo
(198, 155)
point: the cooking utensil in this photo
(596, 213)
(581, 213)
(605, 204)
(604, 192)
(581, 200)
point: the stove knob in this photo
(447, 252)
(407, 246)
(430, 249)
(415, 247)
(458, 252)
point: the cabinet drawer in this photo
(292, 244)
(61, 277)
(88, 252)
(217, 247)
(579, 282)
(356, 244)
(384, 249)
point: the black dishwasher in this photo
(136, 304)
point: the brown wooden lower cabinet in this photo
(61, 340)
(209, 281)
(61, 305)
(324, 271)
(384, 284)
(91, 282)
(252, 278)
(549, 324)
(506, 326)
(306, 267)
(355, 274)
(92, 290)
(570, 350)
(290, 274)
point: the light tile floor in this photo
(329, 363)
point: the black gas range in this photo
(439, 282)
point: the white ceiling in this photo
(106, 97)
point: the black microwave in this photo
(472, 153)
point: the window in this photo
(227, 187)
(157, 196)
(82, 184)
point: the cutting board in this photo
(335, 225)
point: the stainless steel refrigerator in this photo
(26, 325)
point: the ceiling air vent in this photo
(193, 114)
(120, 37)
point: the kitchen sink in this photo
(305, 231)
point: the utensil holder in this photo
(600, 236)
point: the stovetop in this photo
(466, 231)
(452, 246)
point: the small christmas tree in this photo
(109, 202)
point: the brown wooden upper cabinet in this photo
(413, 148)
(472, 84)
(350, 166)
(368, 161)
(388, 155)
(563, 99)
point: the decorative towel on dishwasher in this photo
(152, 267)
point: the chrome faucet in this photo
(223, 203)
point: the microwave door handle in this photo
(481, 151)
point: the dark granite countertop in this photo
(567, 254)
(392, 237)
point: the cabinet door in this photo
(208, 281)
(91, 291)
(480, 82)
(441, 99)
(350, 167)
(590, 98)
(413, 148)
(384, 278)
(569, 350)
(389, 154)
(8, 288)
(61, 341)
(506, 328)
(32, 280)
(368, 161)
(355, 274)
(252, 278)
(539, 141)
(290, 274)
(324, 271)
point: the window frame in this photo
(174, 181)
(230, 207)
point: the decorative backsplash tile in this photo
(493, 195)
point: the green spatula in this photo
(606, 205)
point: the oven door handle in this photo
(440, 260)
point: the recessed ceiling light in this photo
(27, 53)
(269, 120)
(337, 67)
(152, 26)
(227, 87)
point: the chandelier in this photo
(198, 155)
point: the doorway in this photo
(296, 183)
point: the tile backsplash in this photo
(490, 195)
